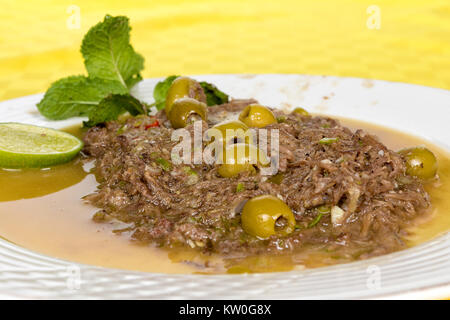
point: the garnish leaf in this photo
(76, 96)
(107, 110)
(160, 91)
(108, 53)
(129, 103)
(112, 106)
(133, 80)
(113, 67)
(213, 95)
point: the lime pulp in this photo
(29, 146)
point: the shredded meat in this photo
(192, 205)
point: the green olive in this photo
(230, 132)
(185, 109)
(301, 112)
(266, 215)
(241, 157)
(183, 87)
(420, 162)
(258, 116)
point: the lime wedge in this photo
(28, 146)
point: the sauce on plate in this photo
(42, 210)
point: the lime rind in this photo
(29, 146)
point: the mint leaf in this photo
(108, 109)
(108, 53)
(111, 107)
(160, 91)
(129, 103)
(76, 96)
(133, 80)
(213, 95)
(113, 67)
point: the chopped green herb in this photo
(328, 140)
(122, 184)
(277, 179)
(324, 209)
(189, 170)
(122, 129)
(196, 218)
(340, 160)
(281, 119)
(154, 155)
(164, 164)
(240, 187)
(315, 221)
(193, 176)
(137, 124)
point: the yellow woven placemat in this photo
(403, 40)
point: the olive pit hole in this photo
(281, 223)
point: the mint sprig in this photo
(113, 67)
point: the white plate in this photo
(419, 272)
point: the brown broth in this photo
(42, 210)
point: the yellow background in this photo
(233, 36)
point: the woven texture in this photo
(39, 39)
